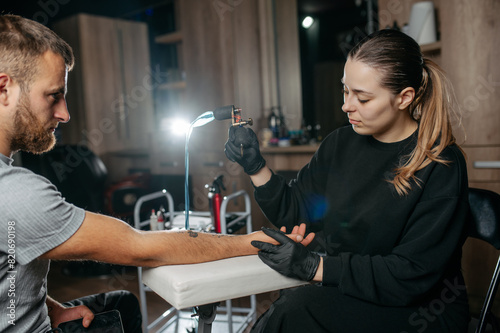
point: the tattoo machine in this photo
(230, 112)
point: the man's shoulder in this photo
(20, 183)
(18, 176)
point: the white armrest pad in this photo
(191, 285)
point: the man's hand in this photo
(298, 233)
(60, 314)
(242, 147)
(288, 257)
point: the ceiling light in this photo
(307, 22)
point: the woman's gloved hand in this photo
(242, 147)
(288, 258)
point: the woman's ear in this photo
(407, 95)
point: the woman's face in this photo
(373, 109)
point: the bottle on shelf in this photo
(153, 221)
(160, 219)
(305, 133)
(283, 129)
(284, 135)
(273, 124)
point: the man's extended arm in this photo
(107, 239)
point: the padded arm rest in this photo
(191, 285)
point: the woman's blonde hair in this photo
(400, 62)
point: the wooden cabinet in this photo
(110, 88)
(470, 53)
(472, 50)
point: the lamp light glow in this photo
(175, 126)
(307, 22)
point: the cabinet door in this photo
(138, 80)
(101, 61)
(110, 91)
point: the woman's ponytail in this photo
(432, 109)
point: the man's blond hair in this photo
(22, 43)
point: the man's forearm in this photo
(106, 239)
(185, 247)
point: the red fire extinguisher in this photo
(215, 201)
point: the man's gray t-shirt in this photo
(34, 219)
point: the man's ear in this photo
(407, 95)
(7, 92)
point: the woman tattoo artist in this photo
(387, 196)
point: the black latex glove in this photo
(289, 258)
(242, 147)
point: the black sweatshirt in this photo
(380, 247)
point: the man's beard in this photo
(29, 133)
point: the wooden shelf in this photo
(432, 47)
(290, 150)
(179, 85)
(170, 38)
(288, 158)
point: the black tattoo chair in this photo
(485, 218)
(78, 173)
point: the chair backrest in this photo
(485, 220)
(485, 216)
(75, 170)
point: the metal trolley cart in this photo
(207, 313)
